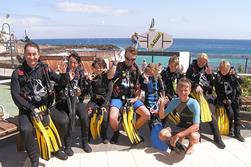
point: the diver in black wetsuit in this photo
(126, 86)
(228, 90)
(202, 83)
(100, 90)
(30, 89)
(69, 101)
(170, 75)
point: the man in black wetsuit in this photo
(126, 86)
(228, 90)
(30, 89)
(202, 83)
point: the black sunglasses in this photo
(130, 59)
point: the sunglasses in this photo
(130, 59)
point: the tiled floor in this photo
(236, 154)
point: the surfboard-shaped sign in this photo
(155, 40)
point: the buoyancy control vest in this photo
(227, 87)
(199, 77)
(169, 79)
(125, 81)
(35, 85)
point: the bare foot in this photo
(190, 149)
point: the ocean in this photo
(235, 51)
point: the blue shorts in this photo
(118, 104)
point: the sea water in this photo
(235, 51)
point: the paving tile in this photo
(120, 159)
(94, 159)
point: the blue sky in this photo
(217, 19)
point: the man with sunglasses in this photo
(126, 86)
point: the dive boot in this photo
(86, 147)
(239, 137)
(68, 151)
(219, 143)
(60, 155)
(115, 137)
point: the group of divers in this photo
(175, 103)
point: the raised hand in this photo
(163, 99)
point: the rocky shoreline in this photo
(105, 51)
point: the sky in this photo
(46, 19)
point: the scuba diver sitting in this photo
(202, 80)
(187, 110)
(69, 102)
(31, 89)
(151, 83)
(126, 86)
(171, 75)
(228, 90)
(100, 90)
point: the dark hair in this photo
(75, 55)
(31, 44)
(100, 62)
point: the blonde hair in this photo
(203, 55)
(154, 68)
(184, 82)
(174, 59)
(224, 63)
(131, 50)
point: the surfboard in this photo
(155, 40)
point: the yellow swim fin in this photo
(42, 139)
(47, 134)
(205, 112)
(93, 125)
(131, 125)
(126, 126)
(100, 120)
(223, 122)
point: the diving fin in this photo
(93, 125)
(126, 126)
(47, 134)
(205, 112)
(131, 125)
(222, 119)
(100, 119)
(42, 139)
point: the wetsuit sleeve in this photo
(108, 94)
(63, 78)
(194, 107)
(16, 94)
(160, 86)
(171, 106)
